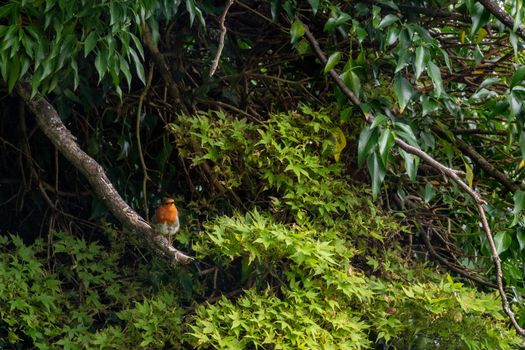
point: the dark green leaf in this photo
(502, 241)
(428, 193)
(519, 202)
(379, 120)
(314, 4)
(517, 77)
(13, 73)
(388, 20)
(386, 141)
(435, 75)
(420, 58)
(367, 140)
(521, 239)
(515, 103)
(411, 163)
(90, 43)
(352, 81)
(377, 173)
(406, 133)
(403, 91)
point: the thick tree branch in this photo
(49, 121)
(449, 172)
(220, 47)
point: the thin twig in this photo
(220, 47)
(139, 143)
(449, 172)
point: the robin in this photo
(166, 219)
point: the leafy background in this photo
(310, 228)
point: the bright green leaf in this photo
(333, 60)
(296, 31)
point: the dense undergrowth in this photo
(304, 260)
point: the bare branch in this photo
(49, 121)
(220, 47)
(449, 172)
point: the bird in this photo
(166, 219)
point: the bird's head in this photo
(168, 201)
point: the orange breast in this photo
(167, 214)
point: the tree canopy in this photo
(349, 175)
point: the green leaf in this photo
(377, 173)
(411, 163)
(296, 31)
(420, 58)
(435, 75)
(101, 64)
(379, 120)
(138, 66)
(469, 174)
(519, 202)
(517, 77)
(386, 141)
(403, 91)
(352, 81)
(124, 67)
(90, 43)
(428, 193)
(314, 4)
(190, 7)
(502, 241)
(406, 133)
(521, 239)
(429, 105)
(515, 103)
(13, 73)
(513, 38)
(480, 16)
(388, 20)
(367, 140)
(522, 144)
(332, 61)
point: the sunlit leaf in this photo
(296, 31)
(332, 61)
(340, 143)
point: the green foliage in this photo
(303, 288)
(87, 298)
(299, 318)
(46, 41)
